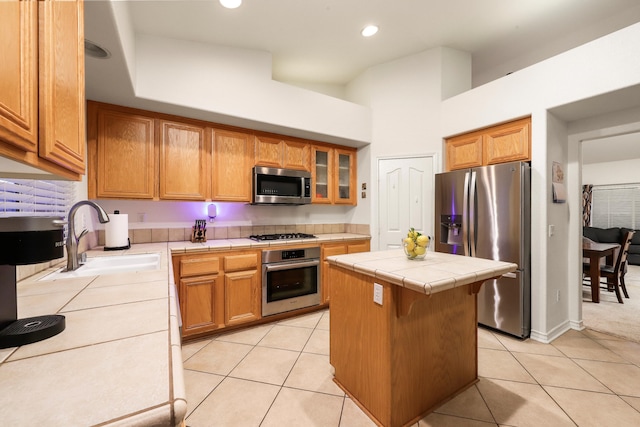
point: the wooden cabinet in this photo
(281, 153)
(358, 246)
(295, 155)
(464, 151)
(242, 288)
(135, 154)
(345, 177)
(507, 143)
(42, 116)
(499, 144)
(122, 153)
(231, 166)
(341, 248)
(218, 290)
(333, 175)
(201, 293)
(138, 154)
(19, 71)
(322, 174)
(183, 161)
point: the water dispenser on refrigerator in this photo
(451, 229)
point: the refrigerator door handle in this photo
(472, 214)
(465, 215)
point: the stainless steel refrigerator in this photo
(485, 212)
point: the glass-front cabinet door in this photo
(333, 175)
(322, 170)
(345, 191)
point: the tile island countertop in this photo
(118, 362)
(437, 272)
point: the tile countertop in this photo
(118, 362)
(437, 272)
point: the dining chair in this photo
(614, 274)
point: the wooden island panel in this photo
(400, 360)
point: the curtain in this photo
(587, 199)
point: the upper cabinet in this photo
(133, 154)
(138, 154)
(464, 151)
(231, 168)
(333, 175)
(42, 116)
(508, 142)
(322, 174)
(122, 153)
(183, 161)
(345, 177)
(19, 71)
(281, 153)
(498, 144)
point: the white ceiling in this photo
(318, 42)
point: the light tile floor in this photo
(279, 375)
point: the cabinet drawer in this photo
(353, 248)
(240, 262)
(333, 249)
(199, 266)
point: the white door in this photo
(405, 199)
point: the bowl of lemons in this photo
(415, 244)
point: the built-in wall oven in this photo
(290, 279)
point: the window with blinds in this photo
(30, 197)
(616, 206)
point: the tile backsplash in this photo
(158, 235)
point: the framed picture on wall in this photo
(557, 178)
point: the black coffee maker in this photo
(26, 240)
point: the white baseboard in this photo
(547, 337)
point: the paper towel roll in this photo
(116, 231)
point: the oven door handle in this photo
(289, 265)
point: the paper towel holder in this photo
(119, 248)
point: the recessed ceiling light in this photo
(369, 30)
(231, 4)
(92, 49)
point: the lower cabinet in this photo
(242, 289)
(217, 290)
(200, 292)
(200, 305)
(224, 289)
(329, 249)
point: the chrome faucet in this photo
(72, 240)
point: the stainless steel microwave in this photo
(274, 186)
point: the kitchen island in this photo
(403, 333)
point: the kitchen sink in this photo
(101, 265)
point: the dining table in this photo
(595, 251)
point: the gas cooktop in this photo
(282, 236)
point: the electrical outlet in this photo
(552, 230)
(377, 293)
(558, 295)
